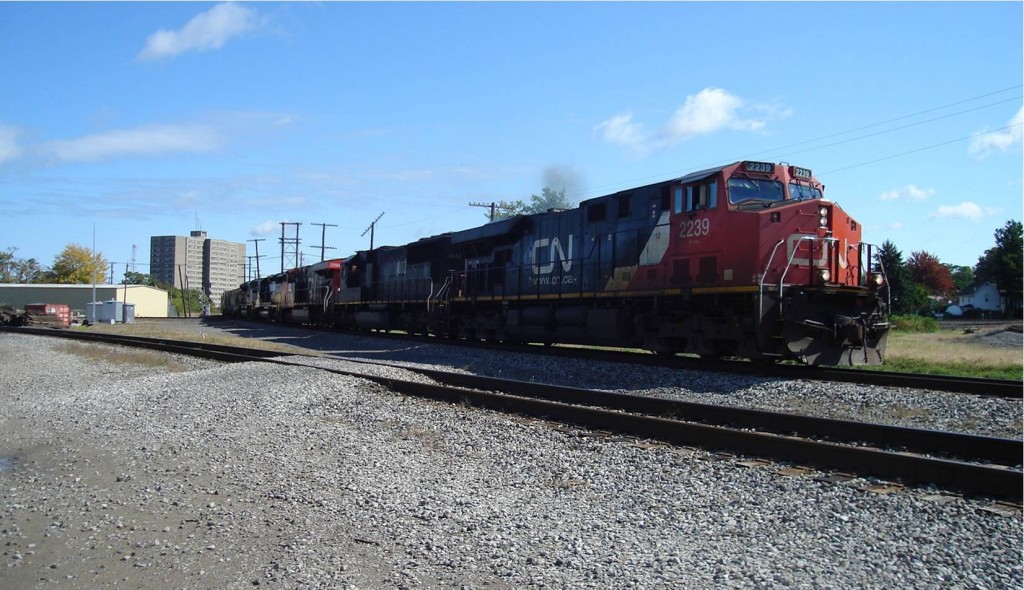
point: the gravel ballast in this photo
(193, 474)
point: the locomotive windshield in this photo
(751, 190)
(800, 192)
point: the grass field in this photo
(950, 352)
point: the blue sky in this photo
(159, 118)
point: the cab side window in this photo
(702, 196)
(677, 199)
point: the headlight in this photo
(878, 279)
(823, 213)
(824, 275)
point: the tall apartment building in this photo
(197, 262)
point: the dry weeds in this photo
(949, 347)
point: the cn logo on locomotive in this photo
(793, 243)
(555, 253)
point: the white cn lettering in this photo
(556, 253)
(538, 270)
(793, 242)
(845, 253)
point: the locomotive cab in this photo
(817, 282)
(767, 230)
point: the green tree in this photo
(963, 276)
(18, 270)
(548, 198)
(191, 299)
(1002, 265)
(896, 275)
(916, 300)
(76, 265)
(137, 278)
(7, 265)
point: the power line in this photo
(837, 134)
(912, 115)
(922, 149)
(884, 131)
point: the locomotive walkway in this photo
(969, 464)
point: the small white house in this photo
(983, 296)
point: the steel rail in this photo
(968, 478)
(1005, 388)
(679, 423)
(1002, 451)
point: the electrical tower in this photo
(258, 275)
(296, 257)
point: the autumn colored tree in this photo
(926, 270)
(77, 265)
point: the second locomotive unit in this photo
(745, 260)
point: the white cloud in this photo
(1000, 141)
(208, 30)
(266, 228)
(965, 210)
(908, 192)
(9, 148)
(622, 130)
(154, 140)
(706, 112)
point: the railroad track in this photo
(1004, 388)
(969, 464)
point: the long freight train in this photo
(747, 260)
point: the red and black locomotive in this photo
(747, 260)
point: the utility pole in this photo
(493, 207)
(181, 291)
(133, 260)
(323, 237)
(296, 260)
(257, 242)
(110, 279)
(370, 229)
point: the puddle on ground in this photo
(6, 464)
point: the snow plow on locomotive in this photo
(747, 260)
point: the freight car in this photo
(746, 260)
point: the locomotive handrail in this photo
(885, 276)
(327, 298)
(760, 283)
(440, 291)
(789, 263)
(810, 262)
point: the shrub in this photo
(913, 323)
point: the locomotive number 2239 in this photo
(695, 228)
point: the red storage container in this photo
(59, 310)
